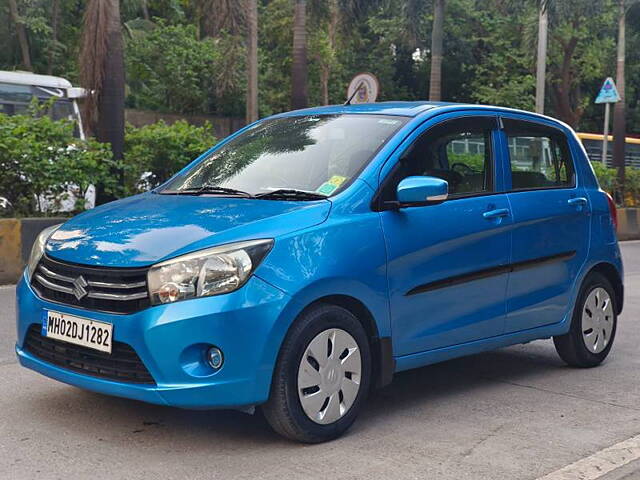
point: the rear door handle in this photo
(500, 212)
(579, 201)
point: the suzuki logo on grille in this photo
(79, 289)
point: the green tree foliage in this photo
(581, 54)
(176, 62)
(503, 72)
(170, 69)
(153, 61)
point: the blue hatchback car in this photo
(303, 260)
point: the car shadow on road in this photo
(513, 365)
(112, 417)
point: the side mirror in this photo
(422, 191)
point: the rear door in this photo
(551, 230)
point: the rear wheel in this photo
(593, 325)
(322, 376)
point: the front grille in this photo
(106, 289)
(122, 365)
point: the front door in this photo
(551, 225)
(448, 263)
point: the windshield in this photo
(314, 153)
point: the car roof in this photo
(412, 109)
(406, 109)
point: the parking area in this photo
(516, 413)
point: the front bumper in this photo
(247, 325)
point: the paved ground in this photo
(517, 413)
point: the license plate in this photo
(77, 330)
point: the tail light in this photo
(612, 210)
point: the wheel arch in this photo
(381, 347)
(611, 273)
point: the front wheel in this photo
(322, 376)
(593, 325)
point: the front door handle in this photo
(500, 212)
(578, 201)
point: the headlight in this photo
(208, 272)
(38, 248)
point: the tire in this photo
(335, 375)
(593, 324)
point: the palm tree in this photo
(299, 67)
(21, 33)
(102, 74)
(252, 60)
(435, 81)
(541, 67)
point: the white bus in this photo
(18, 89)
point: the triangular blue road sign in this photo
(608, 92)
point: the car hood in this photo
(149, 228)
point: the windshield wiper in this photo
(210, 189)
(291, 194)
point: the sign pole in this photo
(605, 139)
(608, 95)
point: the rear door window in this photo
(539, 156)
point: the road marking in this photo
(600, 463)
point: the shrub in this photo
(155, 152)
(606, 176)
(40, 160)
(608, 180)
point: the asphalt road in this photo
(517, 413)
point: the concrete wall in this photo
(629, 223)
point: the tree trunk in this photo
(145, 9)
(619, 127)
(299, 67)
(563, 88)
(55, 14)
(252, 61)
(110, 125)
(435, 81)
(21, 33)
(541, 67)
